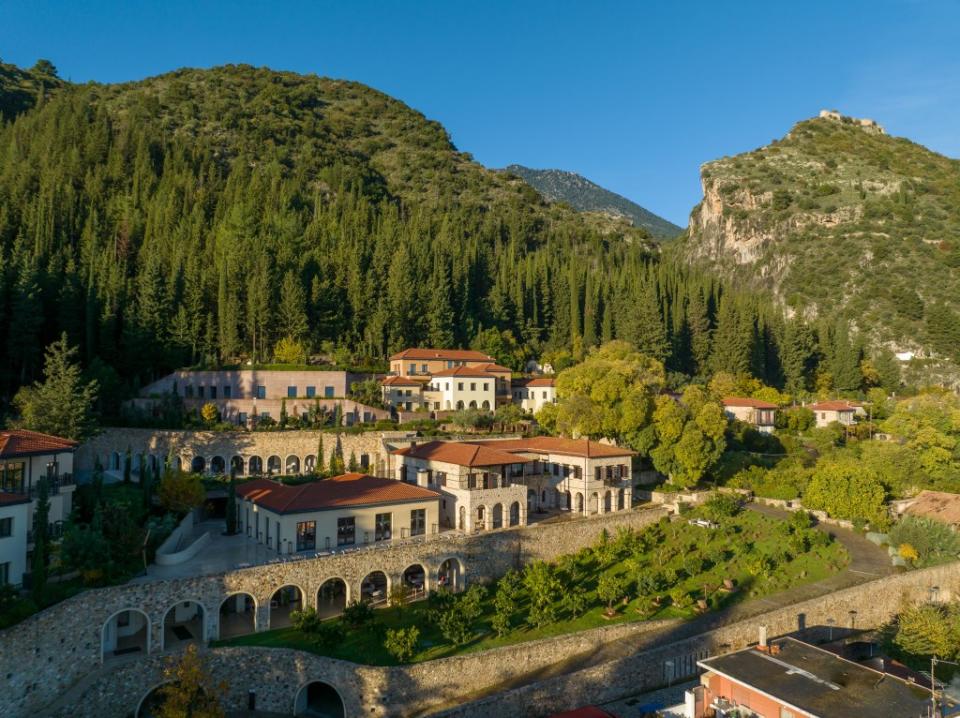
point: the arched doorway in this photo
(595, 503)
(515, 513)
(485, 404)
(415, 581)
(331, 598)
(218, 465)
(238, 615)
(273, 465)
(284, 601)
(236, 466)
(197, 465)
(620, 500)
(473, 404)
(481, 518)
(578, 503)
(310, 463)
(318, 700)
(462, 521)
(255, 465)
(374, 588)
(124, 633)
(497, 516)
(115, 461)
(450, 575)
(293, 464)
(567, 500)
(177, 463)
(460, 405)
(182, 624)
(608, 501)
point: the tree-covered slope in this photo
(586, 196)
(203, 215)
(22, 89)
(841, 220)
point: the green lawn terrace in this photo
(696, 564)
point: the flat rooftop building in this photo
(792, 679)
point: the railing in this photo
(54, 484)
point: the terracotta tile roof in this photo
(558, 445)
(467, 371)
(9, 499)
(461, 453)
(535, 381)
(346, 490)
(405, 381)
(832, 406)
(744, 401)
(937, 505)
(452, 354)
(20, 442)
(497, 368)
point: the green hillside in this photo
(21, 89)
(841, 220)
(586, 196)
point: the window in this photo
(346, 531)
(291, 392)
(423, 368)
(12, 477)
(200, 391)
(459, 386)
(213, 392)
(311, 392)
(242, 417)
(485, 385)
(306, 535)
(382, 527)
(413, 368)
(328, 392)
(261, 392)
(6, 527)
(364, 461)
(227, 392)
(473, 386)
(264, 414)
(448, 386)
(784, 713)
(544, 394)
(188, 391)
(4, 573)
(418, 522)
(449, 364)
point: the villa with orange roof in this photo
(840, 411)
(26, 457)
(760, 414)
(497, 483)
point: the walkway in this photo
(867, 562)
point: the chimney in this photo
(422, 477)
(763, 637)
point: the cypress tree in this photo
(732, 340)
(41, 519)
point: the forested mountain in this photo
(840, 220)
(201, 216)
(586, 196)
(22, 89)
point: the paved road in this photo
(867, 562)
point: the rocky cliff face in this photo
(840, 219)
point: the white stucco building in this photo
(534, 393)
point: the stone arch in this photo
(375, 587)
(183, 623)
(238, 615)
(197, 465)
(608, 501)
(177, 463)
(578, 503)
(460, 405)
(416, 580)
(218, 465)
(150, 701)
(496, 516)
(485, 404)
(115, 461)
(125, 631)
(621, 505)
(283, 602)
(309, 464)
(319, 698)
(595, 503)
(473, 403)
(292, 464)
(515, 513)
(332, 597)
(255, 465)
(481, 518)
(567, 498)
(236, 466)
(451, 574)
(463, 518)
(273, 465)
(153, 461)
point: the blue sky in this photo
(634, 95)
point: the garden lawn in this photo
(760, 555)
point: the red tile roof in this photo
(467, 371)
(744, 401)
(496, 368)
(832, 406)
(461, 453)
(405, 381)
(558, 445)
(452, 354)
(9, 499)
(535, 381)
(20, 442)
(346, 490)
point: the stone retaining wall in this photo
(49, 652)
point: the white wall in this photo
(13, 548)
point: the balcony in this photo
(54, 484)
